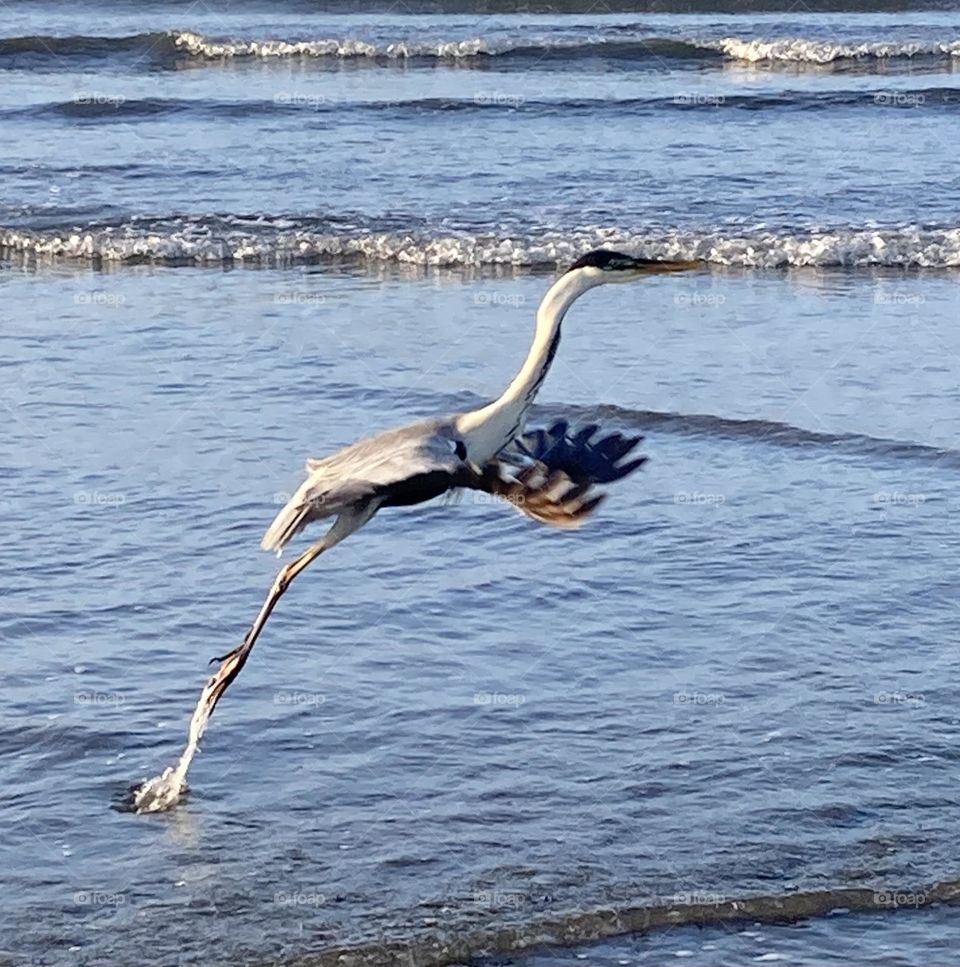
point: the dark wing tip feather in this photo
(616, 446)
(582, 456)
(581, 437)
(549, 474)
(625, 469)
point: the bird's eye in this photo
(460, 449)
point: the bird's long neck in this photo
(488, 430)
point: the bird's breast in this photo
(418, 488)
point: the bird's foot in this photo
(229, 654)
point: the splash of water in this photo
(165, 791)
(170, 787)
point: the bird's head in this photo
(602, 266)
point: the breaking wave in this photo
(585, 926)
(185, 44)
(801, 51)
(794, 50)
(168, 48)
(196, 45)
(274, 241)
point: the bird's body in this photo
(421, 461)
(546, 475)
(396, 468)
(425, 459)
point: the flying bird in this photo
(547, 475)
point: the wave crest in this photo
(632, 47)
(802, 51)
(196, 45)
(797, 50)
(210, 240)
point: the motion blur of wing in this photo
(586, 456)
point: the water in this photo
(736, 682)
(866, 940)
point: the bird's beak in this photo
(658, 266)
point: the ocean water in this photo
(725, 710)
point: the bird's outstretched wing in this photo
(401, 466)
(550, 475)
(549, 497)
(583, 456)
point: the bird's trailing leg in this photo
(233, 661)
(166, 790)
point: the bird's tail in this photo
(293, 517)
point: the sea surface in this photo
(727, 709)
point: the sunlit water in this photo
(737, 680)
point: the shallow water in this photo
(736, 681)
(925, 936)
(738, 678)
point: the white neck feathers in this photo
(488, 430)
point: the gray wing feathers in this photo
(361, 471)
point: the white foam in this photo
(196, 45)
(194, 242)
(751, 50)
(800, 50)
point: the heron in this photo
(547, 475)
